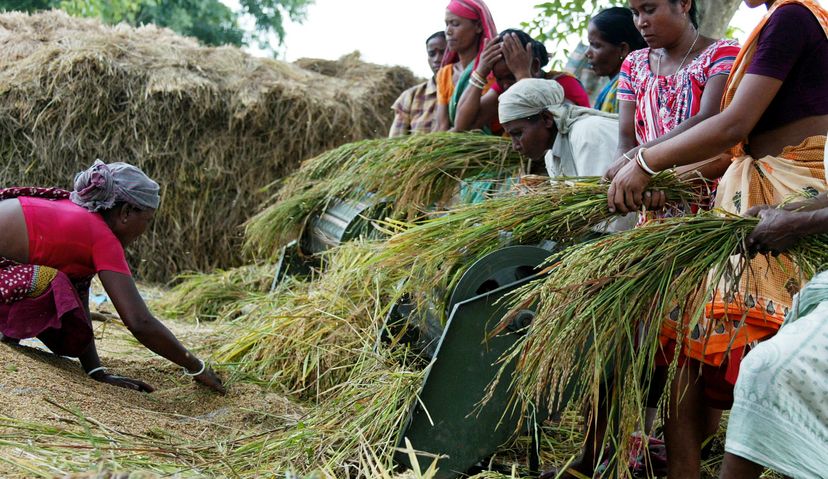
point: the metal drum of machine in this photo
(340, 221)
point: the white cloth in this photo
(587, 150)
(780, 410)
(531, 96)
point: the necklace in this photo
(662, 105)
(658, 67)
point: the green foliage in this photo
(210, 21)
(270, 14)
(558, 20)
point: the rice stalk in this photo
(412, 172)
(601, 307)
(431, 254)
(203, 296)
(306, 337)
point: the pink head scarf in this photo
(472, 10)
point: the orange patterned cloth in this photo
(757, 309)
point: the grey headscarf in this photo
(530, 96)
(103, 185)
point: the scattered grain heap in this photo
(212, 125)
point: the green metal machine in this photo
(450, 420)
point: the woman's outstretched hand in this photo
(210, 379)
(123, 382)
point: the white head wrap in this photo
(103, 185)
(530, 96)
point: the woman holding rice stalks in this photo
(55, 241)
(675, 83)
(469, 25)
(775, 113)
(511, 56)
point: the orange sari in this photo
(757, 309)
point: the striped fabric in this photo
(414, 110)
(663, 103)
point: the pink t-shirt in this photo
(67, 237)
(662, 103)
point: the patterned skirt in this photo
(756, 309)
(38, 301)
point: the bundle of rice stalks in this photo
(600, 309)
(306, 337)
(212, 125)
(363, 413)
(433, 252)
(204, 296)
(30, 449)
(413, 172)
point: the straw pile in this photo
(212, 125)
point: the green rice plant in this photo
(601, 307)
(432, 254)
(203, 296)
(306, 336)
(413, 172)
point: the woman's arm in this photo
(626, 138)
(721, 132)
(441, 114)
(148, 330)
(705, 140)
(475, 110)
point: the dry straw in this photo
(212, 125)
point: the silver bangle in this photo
(203, 367)
(643, 164)
(93, 371)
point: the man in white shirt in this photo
(572, 140)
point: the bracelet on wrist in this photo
(201, 370)
(93, 371)
(639, 158)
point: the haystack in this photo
(212, 125)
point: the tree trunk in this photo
(715, 15)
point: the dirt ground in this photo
(39, 387)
